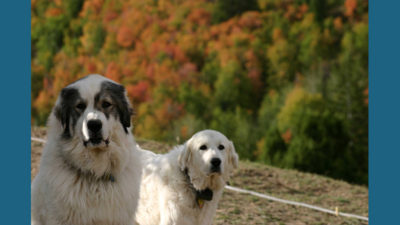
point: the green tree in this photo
(225, 9)
(239, 127)
(349, 88)
(232, 88)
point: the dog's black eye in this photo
(203, 147)
(221, 147)
(105, 105)
(81, 106)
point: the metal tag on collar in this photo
(112, 179)
(200, 203)
(108, 177)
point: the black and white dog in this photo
(90, 168)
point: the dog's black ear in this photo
(65, 107)
(125, 114)
(124, 109)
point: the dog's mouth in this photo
(215, 170)
(96, 142)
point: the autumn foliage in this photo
(287, 81)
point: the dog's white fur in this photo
(63, 196)
(166, 194)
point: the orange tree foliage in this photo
(191, 65)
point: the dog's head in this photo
(208, 154)
(92, 108)
(91, 116)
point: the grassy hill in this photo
(236, 208)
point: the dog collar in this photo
(108, 177)
(89, 175)
(202, 195)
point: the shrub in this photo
(93, 37)
(225, 9)
(239, 127)
(309, 136)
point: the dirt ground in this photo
(236, 208)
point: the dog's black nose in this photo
(215, 162)
(94, 125)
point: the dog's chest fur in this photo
(73, 199)
(81, 200)
(190, 210)
(99, 202)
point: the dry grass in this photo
(236, 208)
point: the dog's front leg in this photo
(167, 216)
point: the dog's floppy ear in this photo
(232, 160)
(64, 109)
(233, 157)
(125, 112)
(185, 156)
(124, 109)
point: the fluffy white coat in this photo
(167, 194)
(63, 196)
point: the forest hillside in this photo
(286, 81)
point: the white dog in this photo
(90, 168)
(185, 185)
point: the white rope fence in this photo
(336, 212)
(231, 188)
(38, 140)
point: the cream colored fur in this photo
(166, 195)
(60, 196)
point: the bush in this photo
(225, 9)
(239, 127)
(185, 127)
(194, 101)
(47, 39)
(233, 88)
(272, 148)
(73, 8)
(93, 37)
(309, 136)
(319, 142)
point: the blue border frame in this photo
(15, 111)
(384, 112)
